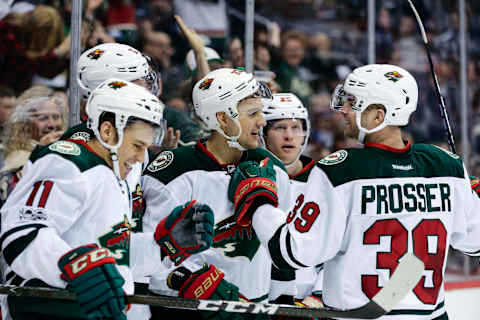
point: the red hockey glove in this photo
(251, 186)
(475, 184)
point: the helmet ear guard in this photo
(388, 85)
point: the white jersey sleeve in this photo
(313, 234)
(43, 206)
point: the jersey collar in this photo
(307, 165)
(388, 148)
(201, 145)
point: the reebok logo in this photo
(400, 167)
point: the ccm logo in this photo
(90, 258)
(235, 306)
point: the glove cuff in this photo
(249, 185)
(203, 285)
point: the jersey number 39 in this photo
(308, 214)
(429, 238)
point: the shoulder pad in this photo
(169, 164)
(78, 132)
(76, 153)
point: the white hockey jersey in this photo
(70, 197)
(193, 173)
(309, 279)
(370, 206)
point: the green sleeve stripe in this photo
(14, 248)
(282, 274)
(16, 281)
(275, 252)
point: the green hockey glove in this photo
(187, 230)
(251, 186)
(91, 273)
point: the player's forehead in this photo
(286, 122)
(139, 131)
(250, 104)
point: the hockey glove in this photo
(91, 273)
(206, 283)
(251, 186)
(187, 230)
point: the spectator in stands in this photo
(236, 54)
(292, 76)
(408, 50)
(7, 105)
(32, 43)
(35, 121)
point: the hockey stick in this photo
(403, 280)
(441, 102)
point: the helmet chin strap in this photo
(113, 151)
(362, 132)
(233, 141)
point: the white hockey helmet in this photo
(388, 85)
(127, 101)
(287, 106)
(221, 91)
(113, 60)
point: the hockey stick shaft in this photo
(403, 280)
(203, 305)
(441, 101)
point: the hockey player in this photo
(286, 136)
(229, 102)
(67, 223)
(368, 207)
(124, 62)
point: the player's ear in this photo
(379, 115)
(108, 132)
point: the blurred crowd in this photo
(301, 46)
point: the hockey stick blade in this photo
(403, 280)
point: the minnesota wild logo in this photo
(334, 158)
(117, 240)
(205, 85)
(393, 76)
(117, 84)
(95, 54)
(234, 240)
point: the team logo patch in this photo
(65, 147)
(82, 135)
(205, 85)
(117, 240)
(163, 160)
(334, 158)
(95, 54)
(393, 76)
(117, 84)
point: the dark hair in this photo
(6, 92)
(110, 117)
